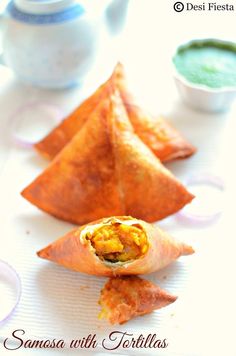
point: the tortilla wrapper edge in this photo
(70, 252)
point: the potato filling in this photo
(119, 242)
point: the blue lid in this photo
(71, 12)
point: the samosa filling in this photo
(119, 242)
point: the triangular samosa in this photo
(107, 170)
(165, 141)
(115, 246)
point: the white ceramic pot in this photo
(54, 43)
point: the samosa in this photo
(162, 138)
(115, 246)
(159, 135)
(126, 297)
(107, 170)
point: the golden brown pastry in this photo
(107, 170)
(126, 297)
(159, 135)
(115, 246)
(162, 138)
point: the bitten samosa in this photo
(126, 297)
(115, 246)
(162, 138)
(107, 170)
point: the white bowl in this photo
(201, 96)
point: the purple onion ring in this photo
(11, 276)
(202, 178)
(57, 116)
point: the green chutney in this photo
(207, 62)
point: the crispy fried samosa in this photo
(165, 141)
(55, 141)
(126, 297)
(115, 246)
(107, 170)
(159, 135)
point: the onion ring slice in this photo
(203, 180)
(10, 290)
(51, 111)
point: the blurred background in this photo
(152, 31)
(3, 4)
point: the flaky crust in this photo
(80, 185)
(57, 139)
(107, 170)
(124, 298)
(75, 252)
(156, 132)
(161, 137)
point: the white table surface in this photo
(202, 321)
